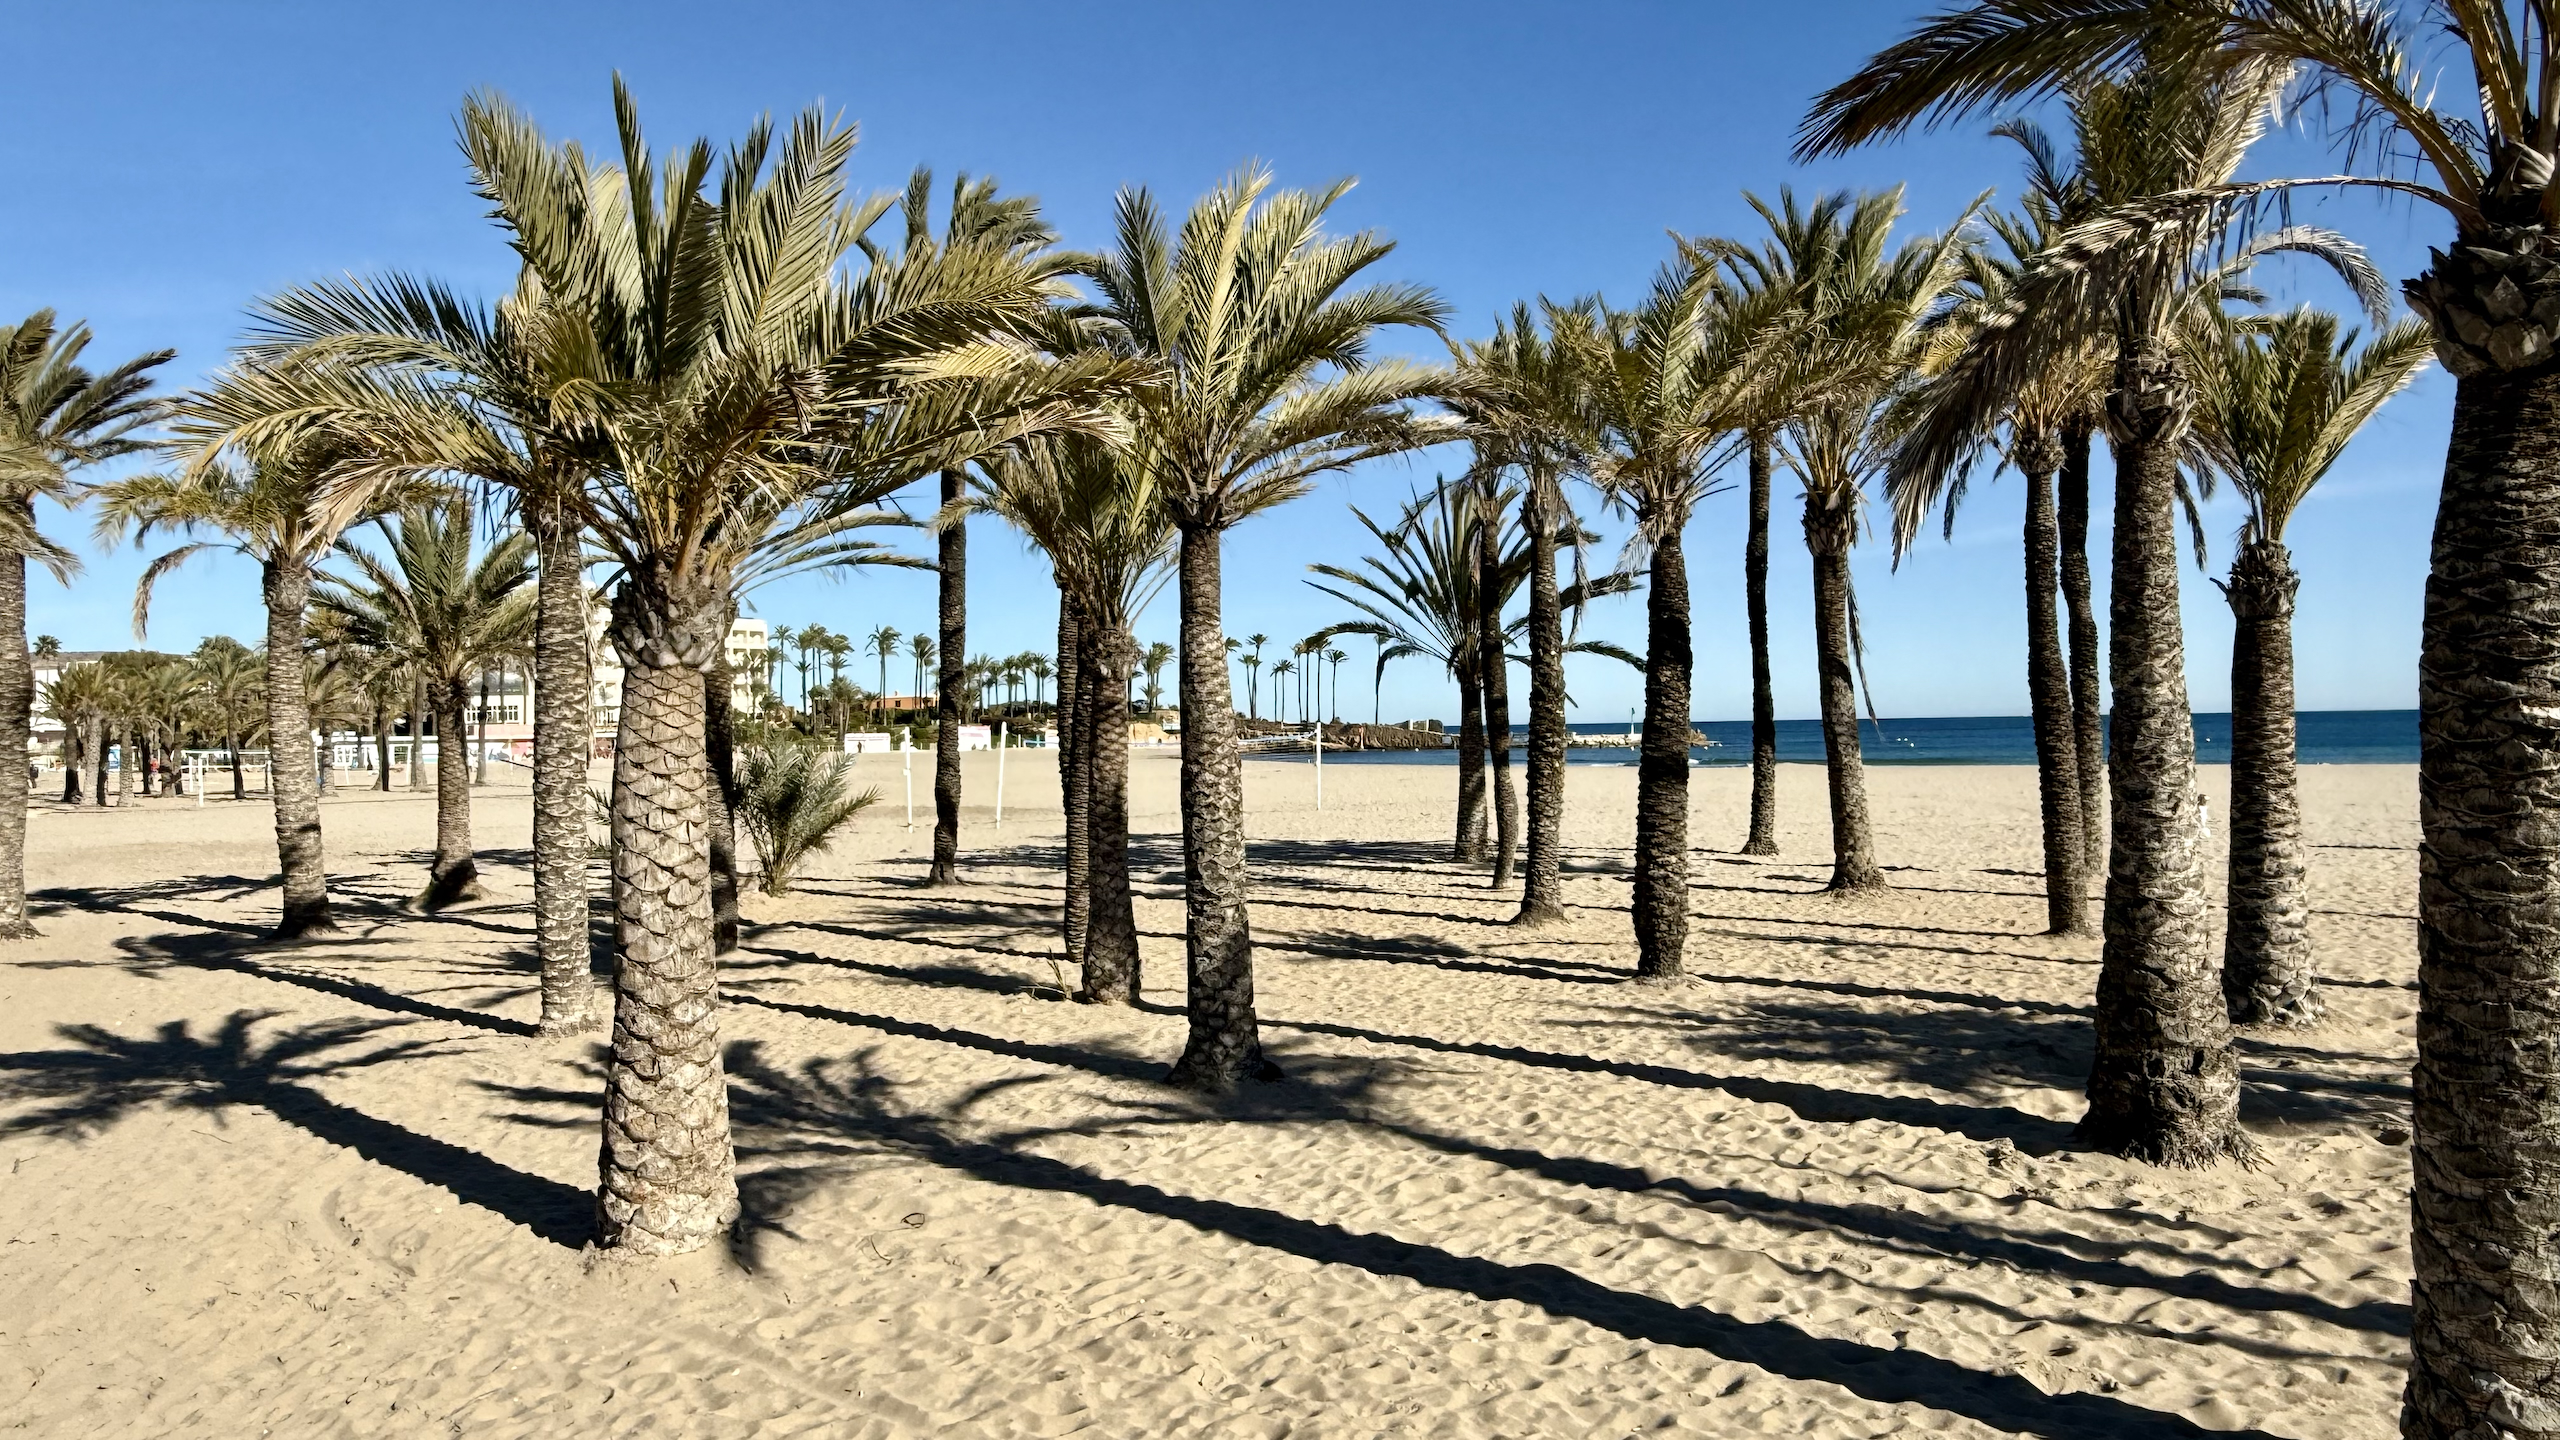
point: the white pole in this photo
(195, 777)
(1319, 764)
(999, 774)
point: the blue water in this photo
(2322, 737)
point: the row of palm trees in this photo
(1303, 664)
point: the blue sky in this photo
(173, 161)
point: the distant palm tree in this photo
(921, 647)
(226, 678)
(883, 643)
(1281, 671)
(57, 418)
(1253, 673)
(2276, 403)
(1040, 670)
(426, 595)
(1334, 658)
(779, 659)
(77, 700)
(1156, 656)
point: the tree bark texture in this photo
(1542, 877)
(72, 759)
(563, 727)
(1764, 704)
(668, 1175)
(299, 852)
(1470, 844)
(125, 753)
(454, 876)
(239, 782)
(1662, 770)
(1493, 650)
(1224, 1047)
(1075, 772)
(2267, 976)
(1102, 713)
(2164, 1087)
(2485, 1241)
(418, 710)
(2066, 841)
(98, 764)
(950, 685)
(2088, 677)
(17, 709)
(1828, 532)
(720, 802)
(382, 748)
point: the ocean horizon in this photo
(2321, 737)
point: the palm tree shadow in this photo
(100, 1077)
(144, 954)
(841, 1112)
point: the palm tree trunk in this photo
(455, 875)
(73, 759)
(382, 747)
(328, 757)
(98, 762)
(1075, 775)
(480, 735)
(2266, 942)
(418, 736)
(1102, 712)
(1469, 845)
(952, 685)
(1764, 704)
(239, 783)
(2066, 885)
(2485, 1238)
(669, 1176)
(1492, 646)
(1542, 882)
(2164, 1087)
(1662, 768)
(289, 760)
(17, 709)
(1828, 532)
(2088, 679)
(563, 727)
(124, 760)
(1225, 1044)
(720, 802)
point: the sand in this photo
(340, 1189)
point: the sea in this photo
(2321, 737)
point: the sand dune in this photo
(339, 1189)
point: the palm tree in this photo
(1153, 659)
(1521, 397)
(77, 699)
(1252, 662)
(228, 685)
(920, 647)
(883, 643)
(452, 614)
(2044, 419)
(813, 640)
(751, 384)
(2164, 1086)
(1862, 307)
(1334, 658)
(1109, 541)
(2277, 402)
(262, 505)
(1280, 672)
(56, 419)
(1040, 670)
(1261, 341)
(778, 657)
(1666, 383)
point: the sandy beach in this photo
(1825, 1190)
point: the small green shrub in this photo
(792, 799)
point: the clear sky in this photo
(174, 161)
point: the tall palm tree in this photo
(1281, 670)
(883, 643)
(1522, 398)
(57, 418)
(2164, 1086)
(261, 503)
(1153, 659)
(228, 686)
(422, 383)
(453, 614)
(1252, 662)
(2041, 419)
(2276, 403)
(752, 383)
(1667, 382)
(921, 649)
(77, 700)
(1252, 318)
(1862, 308)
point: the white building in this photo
(747, 643)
